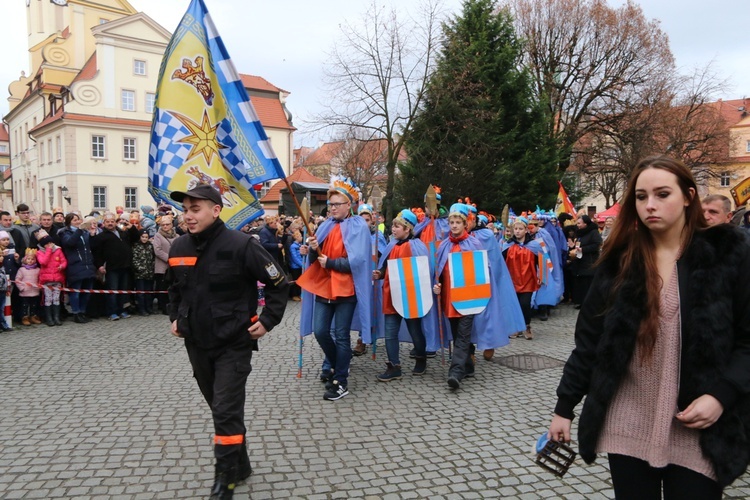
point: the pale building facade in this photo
(724, 175)
(79, 125)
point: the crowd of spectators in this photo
(117, 251)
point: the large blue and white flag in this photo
(205, 129)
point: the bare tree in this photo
(589, 62)
(364, 160)
(678, 117)
(376, 76)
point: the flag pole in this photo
(431, 205)
(305, 216)
(301, 337)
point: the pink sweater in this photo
(28, 276)
(640, 421)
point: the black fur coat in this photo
(714, 284)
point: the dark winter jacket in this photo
(590, 242)
(270, 242)
(113, 251)
(713, 275)
(76, 245)
(214, 293)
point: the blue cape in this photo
(484, 332)
(377, 330)
(357, 241)
(504, 311)
(550, 293)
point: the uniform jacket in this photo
(50, 263)
(76, 245)
(214, 294)
(713, 275)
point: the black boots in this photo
(48, 316)
(224, 483)
(56, 314)
(420, 366)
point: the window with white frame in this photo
(3, 148)
(128, 148)
(724, 179)
(41, 153)
(139, 67)
(131, 198)
(58, 141)
(747, 147)
(150, 102)
(128, 100)
(98, 149)
(49, 151)
(100, 197)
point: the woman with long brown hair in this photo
(663, 346)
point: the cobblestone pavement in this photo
(110, 410)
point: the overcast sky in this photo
(285, 41)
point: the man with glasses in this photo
(339, 277)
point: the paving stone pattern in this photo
(111, 410)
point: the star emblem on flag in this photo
(202, 137)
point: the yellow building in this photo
(79, 125)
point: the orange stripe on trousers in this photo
(229, 440)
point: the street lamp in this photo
(64, 192)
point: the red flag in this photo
(563, 204)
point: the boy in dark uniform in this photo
(213, 303)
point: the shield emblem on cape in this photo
(470, 281)
(410, 286)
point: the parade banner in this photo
(563, 203)
(741, 193)
(470, 281)
(205, 129)
(410, 286)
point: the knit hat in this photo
(45, 240)
(147, 209)
(4, 234)
(142, 232)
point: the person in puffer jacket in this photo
(52, 265)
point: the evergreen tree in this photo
(480, 133)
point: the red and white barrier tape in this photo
(64, 289)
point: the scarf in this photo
(167, 234)
(458, 239)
